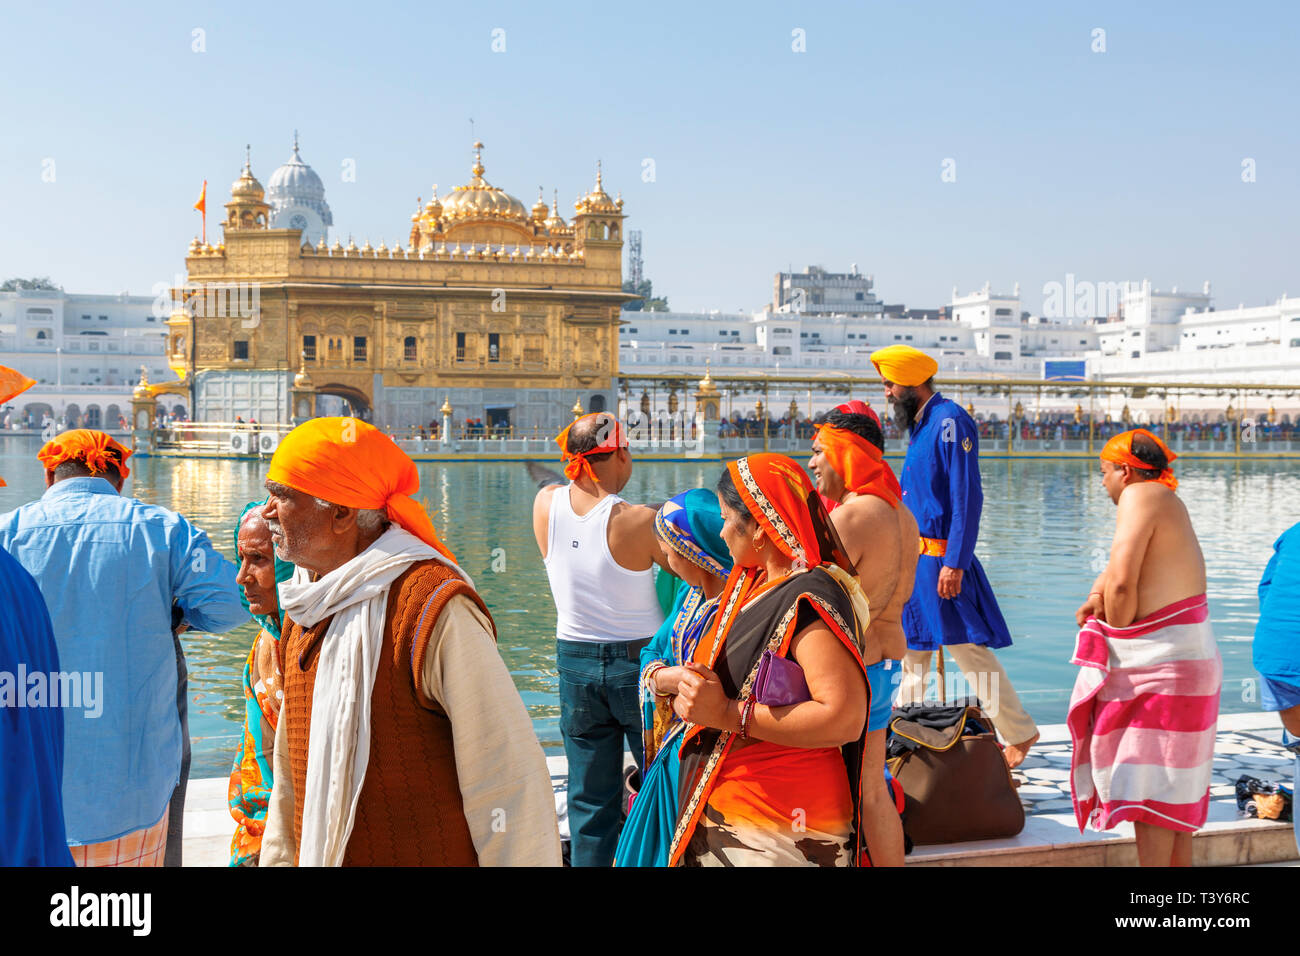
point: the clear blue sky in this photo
(1117, 165)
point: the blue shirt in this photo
(1277, 635)
(31, 738)
(109, 568)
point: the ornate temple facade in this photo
(510, 314)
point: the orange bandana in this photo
(12, 384)
(1119, 451)
(353, 464)
(577, 464)
(95, 449)
(860, 464)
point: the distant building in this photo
(84, 351)
(818, 292)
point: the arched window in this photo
(408, 349)
(597, 403)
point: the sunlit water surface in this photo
(1045, 523)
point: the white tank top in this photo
(596, 598)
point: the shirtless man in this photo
(1155, 561)
(882, 541)
(598, 550)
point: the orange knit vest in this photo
(410, 811)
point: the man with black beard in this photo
(952, 606)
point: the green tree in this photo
(25, 285)
(648, 301)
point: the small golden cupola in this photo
(596, 215)
(556, 225)
(247, 208)
(540, 210)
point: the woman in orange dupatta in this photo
(775, 784)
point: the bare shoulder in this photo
(628, 514)
(1146, 498)
(544, 495)
(865, 513)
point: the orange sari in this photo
(751, 802)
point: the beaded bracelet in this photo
(649, 681)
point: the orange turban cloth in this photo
(860, 464)
(577, 464)
(350, 463)
(903, 365)
(95, 449)
(1119, 451)
(12, 384)
(782, 499)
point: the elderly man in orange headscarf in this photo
(600, 552)
(402, 740)
(1145, 705)
(880, 535)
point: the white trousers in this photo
(980, 675)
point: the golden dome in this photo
(598, 200)
(246, 186)
(142, 389)
(540, 209)
(479, 199)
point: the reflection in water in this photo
(1044, 524)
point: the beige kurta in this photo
(504, 784)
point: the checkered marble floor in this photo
(1241, 747)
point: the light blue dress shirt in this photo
(109, 568)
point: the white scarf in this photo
(356, 595)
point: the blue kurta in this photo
(941, 487)
(31, 737)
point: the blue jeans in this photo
(599, 714)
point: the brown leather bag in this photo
(956, 783)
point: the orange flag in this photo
(202, 206)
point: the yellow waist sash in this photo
(936, 547)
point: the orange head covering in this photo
(903, 365)
(782, 499)
(859, 463)
(12, 384)
(353, 464)
(577, 464)
(94, 449)
(1119, 450)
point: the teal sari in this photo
(691, 524)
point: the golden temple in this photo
(507, 313)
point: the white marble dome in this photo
(297, 199)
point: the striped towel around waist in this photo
(1142, 719)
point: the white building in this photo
(1143, 335)
(85, 352)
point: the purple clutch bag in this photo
(779, 682)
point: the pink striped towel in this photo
(1142, 719)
